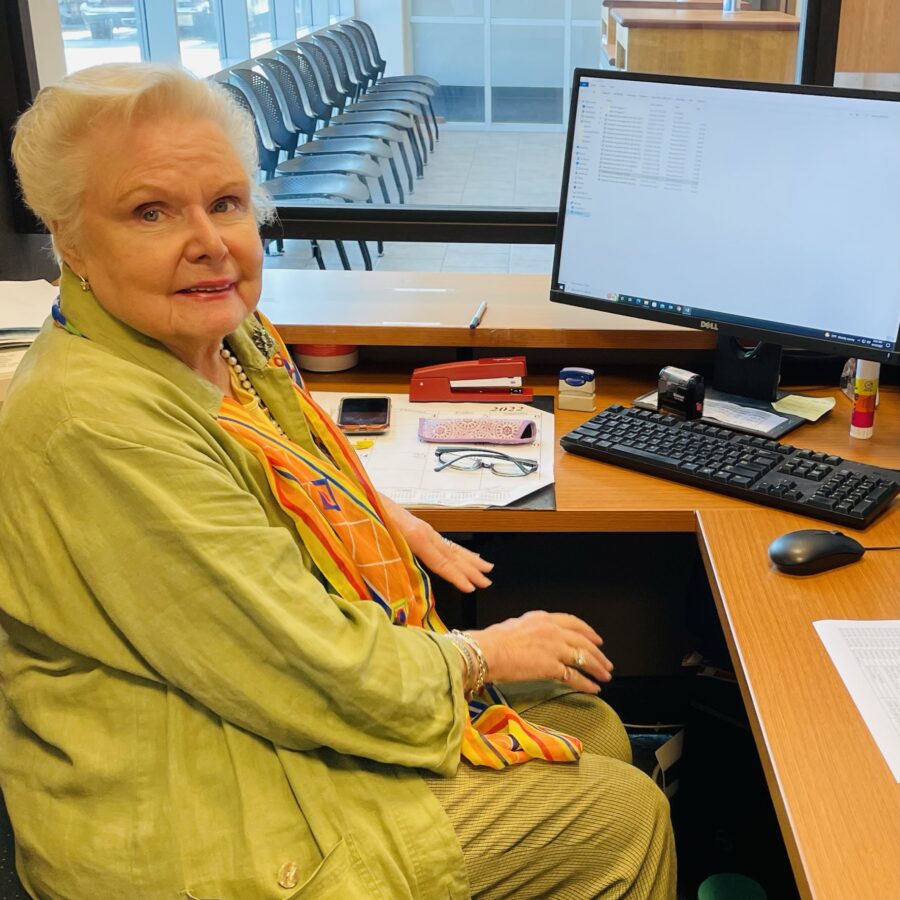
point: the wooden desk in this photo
(838, 807)
(608, 24)
(837, 803)
(752, 46)
(433, 309)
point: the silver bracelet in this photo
(462, 648)
(482, 662)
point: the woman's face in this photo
(168, 240)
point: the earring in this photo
(85, 284)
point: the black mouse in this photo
(813, 550)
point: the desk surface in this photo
(838, 806)
(595, 496)
(666, 4)
(705, 18)
(433, 309)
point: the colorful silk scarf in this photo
(340, 520)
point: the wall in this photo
(48, 41)
(388, 19)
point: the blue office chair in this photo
(326, 96)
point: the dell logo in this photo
(710, 326)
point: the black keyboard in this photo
(752, 468)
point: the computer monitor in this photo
(766, 213)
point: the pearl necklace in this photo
(247, 385)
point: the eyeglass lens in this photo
(498, 463)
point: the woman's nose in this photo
(204, 240)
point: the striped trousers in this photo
(596, 828)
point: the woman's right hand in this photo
(542, 645)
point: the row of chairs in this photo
(331, 127)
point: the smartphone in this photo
(364, 415)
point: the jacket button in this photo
(289, 875)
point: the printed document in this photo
(867, 657)
(402, 467)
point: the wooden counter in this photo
(608, 24)
(752, 46)
(433, 309)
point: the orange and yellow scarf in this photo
(340, 520)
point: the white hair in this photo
(49, 148)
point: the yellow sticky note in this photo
(364, 444)
(810, 408)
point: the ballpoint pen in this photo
(479, 314)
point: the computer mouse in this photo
(813, 550)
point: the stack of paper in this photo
(24, 305)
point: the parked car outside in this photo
(103, 16)
(70, 12)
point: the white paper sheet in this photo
(745, 418)
(402, 467)
(867, 657)
(25, 304)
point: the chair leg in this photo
(380, 246)
(422, 148)
(427, 127)
(367, 259)
(317, 254)
(397, 179)
(342, 253)
(405, 160)
(384, 190)
(437, 133)
(417, 159)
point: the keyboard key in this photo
(824, 485)
(879, 493)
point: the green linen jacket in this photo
(187, 710)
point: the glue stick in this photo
(865, 388)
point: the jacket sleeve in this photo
(217, 601)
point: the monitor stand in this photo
(749, 377)
(745, 377)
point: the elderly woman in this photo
(223, 675)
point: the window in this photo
(100, 31)
(198, 36)
(261, 19)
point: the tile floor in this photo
(468, 168)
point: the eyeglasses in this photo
(471, 458)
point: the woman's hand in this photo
(540, 645)
(461, 567)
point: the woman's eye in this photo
(150, 215)
(225, 204)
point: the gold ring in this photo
(579, 660)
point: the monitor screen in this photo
(769, 211)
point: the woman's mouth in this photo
(208, 289)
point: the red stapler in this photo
(491, 380)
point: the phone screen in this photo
(364, 414)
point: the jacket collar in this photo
(84, 312)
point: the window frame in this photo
(18, 72)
